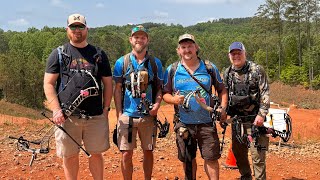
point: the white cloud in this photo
(205, 1)
(211, 19)
(99, 5)
(59, 3)
(19, 22)
(56, 2)
(157, 17)
(161, 14)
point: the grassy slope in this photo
(19, 111)
(287, 95)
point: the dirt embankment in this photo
(297, 159)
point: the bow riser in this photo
(93, 91)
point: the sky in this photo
(19, 15)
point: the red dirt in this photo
(296, 160)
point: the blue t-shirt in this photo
(183, 82)
(130, 103)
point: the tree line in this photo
(283, 36)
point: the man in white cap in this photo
(72, 84)
(194, 126)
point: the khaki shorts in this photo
(94, 133)
(144, 126)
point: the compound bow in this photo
(67, 109)
(147, 104)
(215, 115)
(256, 131)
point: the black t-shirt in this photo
(71, 81)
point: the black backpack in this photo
(64, 60)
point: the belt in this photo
(83, 116)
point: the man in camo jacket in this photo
(248, 92)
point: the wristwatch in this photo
(106, 108)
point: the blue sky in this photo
(19, 15)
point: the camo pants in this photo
(240, 151)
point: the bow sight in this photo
(163, 128)
(147, 106)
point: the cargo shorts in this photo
(93, 133)
(203, 135)
(145, 127)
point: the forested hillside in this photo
(284, 37)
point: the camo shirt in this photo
(254, 76)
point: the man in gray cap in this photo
(195, 126)
(72, 85)
(248, 91)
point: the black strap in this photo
(115, 136)
(154, 83)
(188, 159)
(130, 129)
(124, 70)
(196, 79)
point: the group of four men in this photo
(76, 68)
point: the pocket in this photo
(240, 101)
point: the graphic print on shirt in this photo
(191, 112)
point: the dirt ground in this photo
(296, 160)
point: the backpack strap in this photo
(154, 82)
(98, 55)
(61, 56)
(126, 62)
(171, 75)
(98, 59)
(172, 71)
(210, 71)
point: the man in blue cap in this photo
(248, 92)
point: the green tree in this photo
(272, 11)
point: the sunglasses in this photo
(74, 27)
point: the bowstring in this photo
(39, 132)
(47, 135)
(87, 72)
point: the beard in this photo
(77, 37)
(139, 48)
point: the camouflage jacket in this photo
(248, 90)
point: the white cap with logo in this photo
(73, 18)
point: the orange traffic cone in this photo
(231, 160)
